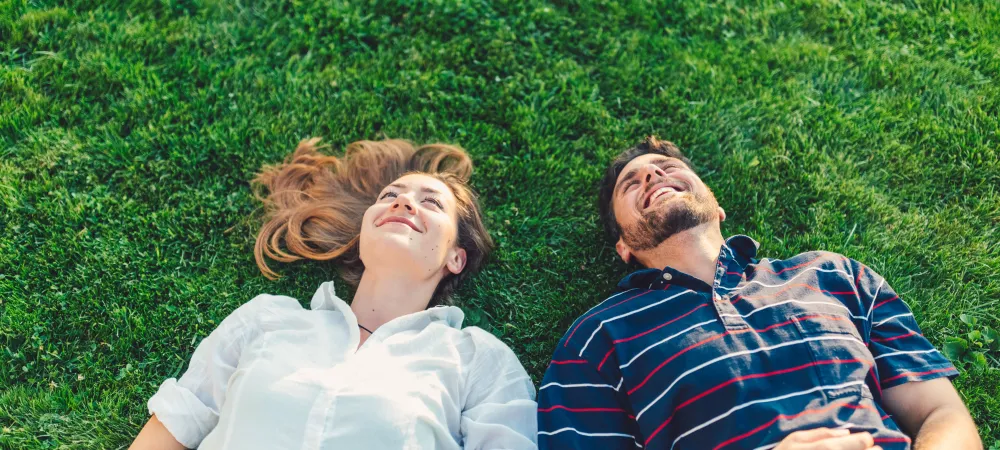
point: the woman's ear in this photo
(456, 260)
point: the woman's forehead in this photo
(419, 182)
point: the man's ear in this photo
(722, 214)
(623, 251)
(456, 260)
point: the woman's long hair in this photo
(314, 203)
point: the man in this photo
(708, 347)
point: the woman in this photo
(394, 369)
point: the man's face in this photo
(656, 197)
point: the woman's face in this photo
(413, 227)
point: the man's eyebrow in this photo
(628, 177)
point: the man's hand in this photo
(828, 439)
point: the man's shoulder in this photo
(817, 259)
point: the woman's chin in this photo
(397, 249)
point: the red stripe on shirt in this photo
(750, 377)
(596, 313)
(719, 336)
(884, 302)
(793, 416)
(569, 361)
(912, 333)
(619, 341)
(737, 297)
(916, 374)
(891, 440)
(878, 385)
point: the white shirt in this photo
(274, 375)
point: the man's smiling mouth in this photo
(661, 190)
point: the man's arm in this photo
(913, 376)
(933, 414)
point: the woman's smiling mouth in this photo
(398, 219)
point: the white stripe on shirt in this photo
(550, 433)
(800, 302)
(577, 385)
(665, 340)
(818, 269)
(765, 400)
(626, 315)
(893, 317)
(875, 298)
(906, 352)
(735, 354)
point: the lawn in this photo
(128, 135)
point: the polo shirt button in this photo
(667, 276)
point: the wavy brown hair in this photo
(314, 203)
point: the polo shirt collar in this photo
(737, 251)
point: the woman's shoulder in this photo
(260, 309)
(269, 303)
(488, 348)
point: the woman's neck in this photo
(382, 296)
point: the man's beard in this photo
(660, 224)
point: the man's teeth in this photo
(660, 192)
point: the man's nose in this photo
(651, 171)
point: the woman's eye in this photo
(434, 202)
(388, 194)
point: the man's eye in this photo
(388, 194)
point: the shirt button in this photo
(667, 276)
(718, 298)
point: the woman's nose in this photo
(403, 202)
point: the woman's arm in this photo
(187, 409)
(154, 436)
(500, 408)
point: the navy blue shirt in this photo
(772, 347)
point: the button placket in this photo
(728, 314)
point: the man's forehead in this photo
(639, 161)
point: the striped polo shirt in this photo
(771, 347)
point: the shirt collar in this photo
(326, 299)
(739, 250)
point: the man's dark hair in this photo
(606, 196)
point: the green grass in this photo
(128, 134)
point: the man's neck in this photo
(382, 296)
(694, 251)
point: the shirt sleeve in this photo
(578, 408)
(189, 407)
(499, 410)
(902, 353)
